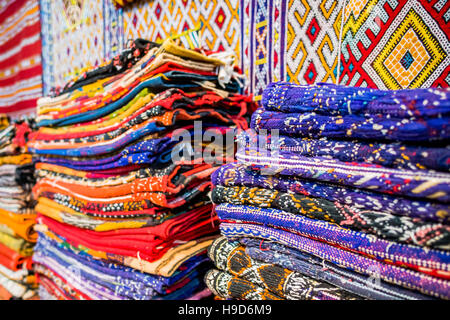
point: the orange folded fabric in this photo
(150, 184)
(12, 259)
(21, 224)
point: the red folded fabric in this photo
(148, 243)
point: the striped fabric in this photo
(20, 57)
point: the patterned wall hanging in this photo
(159, 19)
(20, 57)
(396, 44)
(77, 34)
(389, 44)
(377, 43)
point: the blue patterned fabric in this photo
(331, 99)
(429, 185)
(390, 155)
(374, 128)
(119, 281)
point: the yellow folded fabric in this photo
(19, 245)
(53, 104)
(5, 229)
(4, 122)
(17, 159)
(170, 47)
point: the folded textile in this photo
(18, 275)
(236, 174)
(128, 57)
(146, 105)
(225, 285)
(112, 140)
(12, 259)
(66, 215)
(171, 79)
(390, 155)
(120, 273)
(434, 262)
(404, 277)
(334, 187)
(395, 228)
(21, 224)
(15, 289)
(200, 295)
(145, 199)
(118, 194)
(313, 125)
(148, 243)
(232, 258)
(156, 152)
(124, 282)
(17, 244)
(370, 287)
(327, 98)
(171, 261)
(127, 209)
(431, 185)
(171, 178)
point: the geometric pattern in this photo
(396, 44)
(159, 19)
(312, 40)
(415, 51)
(77, 35)
(263, 28)
(386, 44)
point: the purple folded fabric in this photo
(150, 146)
(312, 125)
(404, 277)
(384, 225)
(144, 152)
(236, 174)
(416, 184)
(359, 284)
(331, 99)
(409, 255)
(391, 155)
(88, 287)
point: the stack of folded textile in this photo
(348, 199)
(118, 217)
(17, 217)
